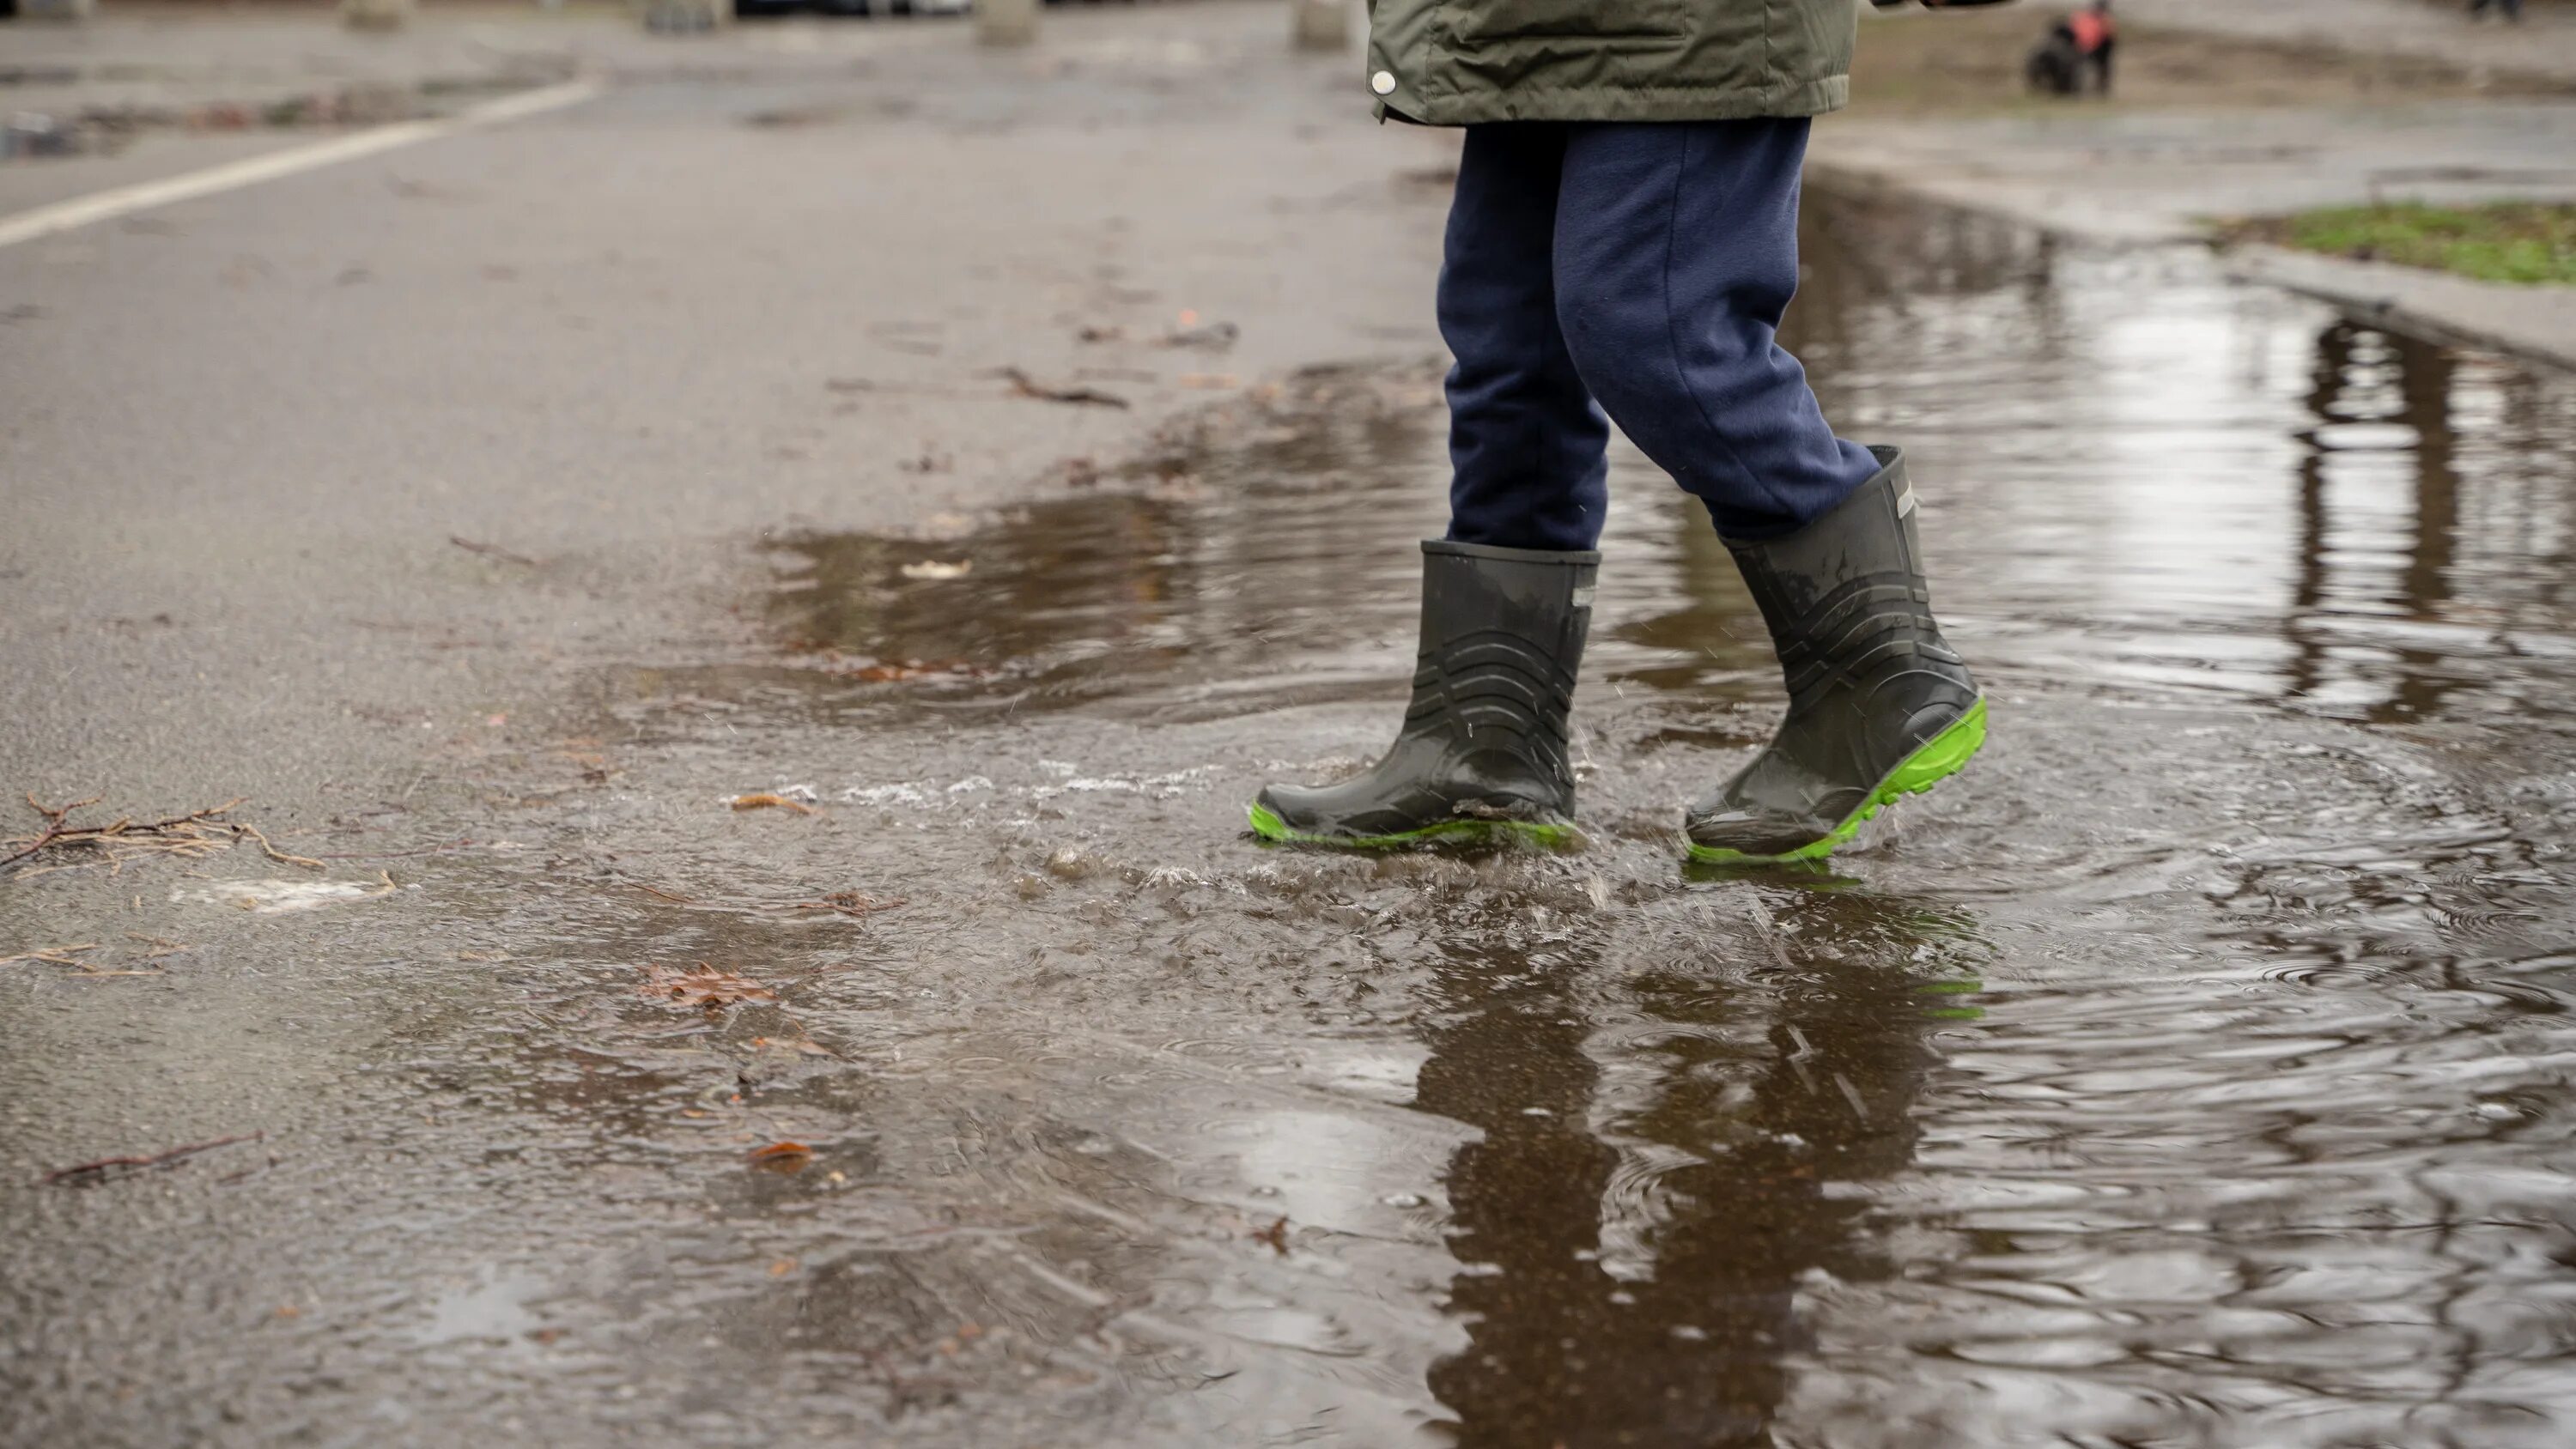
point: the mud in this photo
(2193, 1070)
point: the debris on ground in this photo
(934, 569)
(494, 550)
(98, 1171)
(1026, 386)
(195, 834)
(285, 897)
(157, 948)
(702, 985)
(1214, 337)
(1276, 1235)
(792, 116)
(1101, 334)
(787, 1157)
(766, 800)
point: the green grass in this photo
(2512, 241)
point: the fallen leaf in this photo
(703, 985)
(763, 800)
(787, 1157)
(782, 1267)
(1276, 1235)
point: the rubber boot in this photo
(1880, 706)
(1483, 745)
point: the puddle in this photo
(2195, 1070)
(2196, 1073)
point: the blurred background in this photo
(635, 638)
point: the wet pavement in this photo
(2194, 1070)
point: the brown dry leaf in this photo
(703, 985)
(767, 801)
(1276, 1235)
(788, 1157)
(782, 1267)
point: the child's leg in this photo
(1526, 442)
(1676, 253)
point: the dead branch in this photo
(53, 826)
(197, 833)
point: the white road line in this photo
(126, 200)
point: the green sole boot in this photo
(1880, 705)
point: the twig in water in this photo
(275, 854)
(158, 1159)
(53, 956)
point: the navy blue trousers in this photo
(1638, 271)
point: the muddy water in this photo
(2196, 1070)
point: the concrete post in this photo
(375, 14)
(1320, 24)
(1006, 22)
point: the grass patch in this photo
(2511, 241)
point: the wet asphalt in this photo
(2193, 1070)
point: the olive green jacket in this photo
(1462, 62)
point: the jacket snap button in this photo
(1383, 83)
